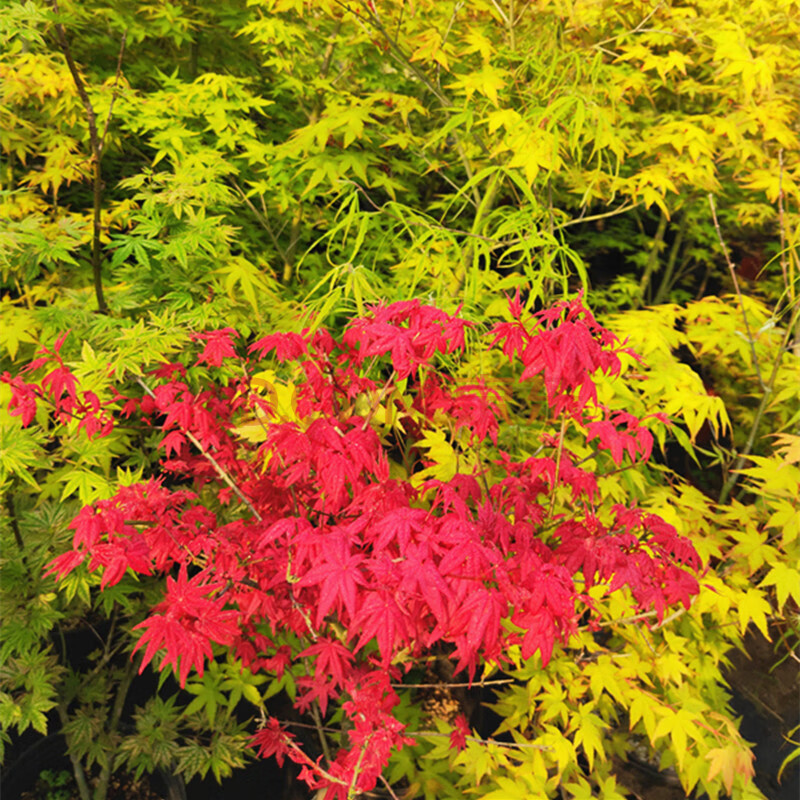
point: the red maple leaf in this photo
(218, 346)
(339, 576)
(190, 622)
(460, 732)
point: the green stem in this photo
(12, 515)
(77, 768)
(351, 791)
(666, 281)
(101, 789)
(733, 476)
(96, 143)
(739, 297)
(652, 261)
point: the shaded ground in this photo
(768, 699)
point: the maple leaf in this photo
(117, 556)
(60, 382)
(64, 564)
(421, 577)
(23, 398)
(540, 634)
(218, 346)
(339, 576)
(729, 761)
(458, 736)
(513, 335)
(476, 625)
(333, 659)
(427, 331)
(173, 442)
(274, 740)
(786, 581)
(398, 525)
(287, 346)
(190, 623)
(380, 617)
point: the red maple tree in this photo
(342, 537)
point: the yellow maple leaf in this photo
(786, 581)
(728, 762)
(788, 447)
(753, 607)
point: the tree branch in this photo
(114, 91)
(96, 142)
(732, 270)
(211, 460)
(91, 118)
(733, 477)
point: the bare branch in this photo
(80, 86)
(114, 93)
(732, 270)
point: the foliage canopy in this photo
(296, 391)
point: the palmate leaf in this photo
(86, 484)
(244, 276)
(208, 696)
(339, 577)
(786, 581)
(19, 453)
(729, 761)
(17, 326)
(193, 620)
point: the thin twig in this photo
(638, 29)
(456, 8)
(782, 224)
(114, 91)
(500, 12)
(622, 620)
(732, 270)
(315, 715)
(262, 219)
(730, 483)
(466, 684)
(12, 515)
(370, 18)
(510, 745)
(63, 44)
(211, 460)
(619, 210)
(328, 55)
(674, 615)
(96, 145)
(112, 726)
(388, 787)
